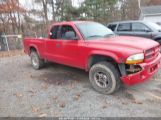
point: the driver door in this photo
(53, 45)
(69, 46)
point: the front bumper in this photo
(148, 69)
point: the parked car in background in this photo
(159, 23)
(137, 28)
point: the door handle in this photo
(57, 45)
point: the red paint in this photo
(148, 69)
(76, 53)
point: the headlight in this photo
(134, 59)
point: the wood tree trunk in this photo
(53, 10)
(45, 11)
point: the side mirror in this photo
(50, 35)
(70, 36)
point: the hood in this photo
(124, 44)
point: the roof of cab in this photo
(70, 22)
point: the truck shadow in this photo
(57, 74)
(64, 76)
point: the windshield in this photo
(154, 25)
(94, 30)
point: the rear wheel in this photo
(104, 78)
(36, 62)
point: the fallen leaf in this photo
(43, 115)
(59, 83)
(32, 91)
(35, 109)
(19, 95)
(71, 85)
(31, 76)
(45, 79)
(55, 97)
(45, 86)
(62, 105)
(48, 105)
(77, 96)
(124, 103)
(104, 106)
(129, 95)
(137, 102)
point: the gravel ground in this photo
(59, 90)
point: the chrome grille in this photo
(152, 53)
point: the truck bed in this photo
(38, 43)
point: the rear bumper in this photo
(148, 69)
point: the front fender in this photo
(112, 55)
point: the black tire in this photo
(108, 71)
(36, 62)
(159, 41)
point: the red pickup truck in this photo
(111, 60)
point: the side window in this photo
(67, 32)
(112, 27)
(54, 32)
(139, 27)
(124, 27)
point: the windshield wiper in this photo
(109, 35)
(94, 36)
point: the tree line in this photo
(33, 19)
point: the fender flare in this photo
(102, 53)
(34, 46)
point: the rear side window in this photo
(112, 27)
(124, 27)
(54, 32)
(139, 27)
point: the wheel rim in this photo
(34, 61)
(102, 79)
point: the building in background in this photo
(151, 13)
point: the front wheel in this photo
(159, 41)
(104, 78)
(36, 61)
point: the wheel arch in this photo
(95, 58)
(32, 48)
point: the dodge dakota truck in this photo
(111, 60)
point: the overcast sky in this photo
(28, 3)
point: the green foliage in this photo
(66, 11)
(97, 10)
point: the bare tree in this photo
(45, 9)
